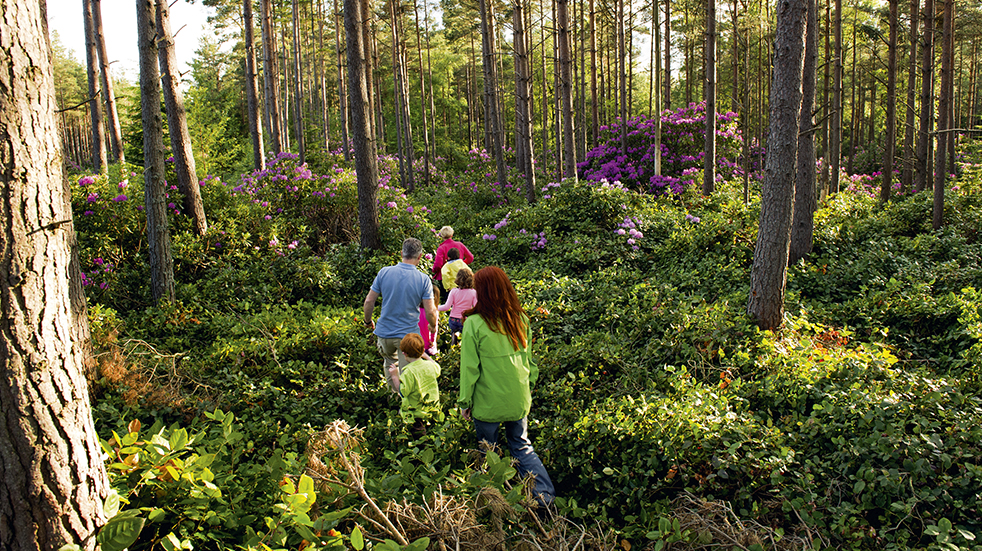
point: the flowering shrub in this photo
(682, 145)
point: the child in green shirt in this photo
(418, 386)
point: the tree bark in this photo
(523, 99)
(52, 478)
(298, 90)
(890, 140)
(922, 163)
(944, 120)
(366, 163)
(835, 149)
(803, 218)
(491, 86)
(99, 156)
(622, 75)
(177, 123)
(271, 83)
(667, 97)
(342, 89)
(566, 89)
(594, 107)
(709, 158)
(907, 177)
(252, 89)
(108, 96)
(422, 99)
(768, 275)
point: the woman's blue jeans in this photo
(521, 450)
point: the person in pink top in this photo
(446, 233)
(429, 340)
(463, 297)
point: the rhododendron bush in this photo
(682, 151)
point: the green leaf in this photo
(111, 506)
(178, 439)
(156, 515)
(859, 486)
(357, 540)
(945, 525)
(307, 487)
(120, 532)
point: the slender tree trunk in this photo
(835, 152)
(566, 90)
(594, 107)
(397, 91)
(523, 101)
(768, 275)
(108, 96)
(709, 159)
(890, 140)
(177, 122)
(342, 88)
(907, 179)
(366, 163)
(944, 121)
(826, 109)
(491, 86)
(368, 44)
(803, 218)
(271, 83)
(158, 231)
(52, 477)
(422, 99)
(99, 157)
(656, 55)
(622, 74)
(667, 97)
(923, 166)
(298, 90)
(252, 89)
(735, 102)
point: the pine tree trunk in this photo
(594, 108)
(835, 149)
(891, 123)
(252, 89)
(366, 163)
(108, 96)
(177, 123)
(491, 86)
(271, 83)
(907, 178)
(523, 101)
(342, 89)
(803, 218)
(158, 231)
(768, 275)
(622, 75)
(566, 90)
(944, 121)
(922, 162)
(667, 96)
(298, 89)
(709, 158)
(99, 156)
(52, 477)
(422, 99)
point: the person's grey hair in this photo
(412, 248)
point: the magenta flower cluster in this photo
(682, 145)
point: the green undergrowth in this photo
(855, 426)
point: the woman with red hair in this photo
(497, 372)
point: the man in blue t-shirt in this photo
(402, 288)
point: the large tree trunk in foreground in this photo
(52, 479)
(177, 123)
(158, 232)
(768, 274)
(366, 162)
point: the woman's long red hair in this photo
(497, 303)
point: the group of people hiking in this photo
(497, 370)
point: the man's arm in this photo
(369, 308)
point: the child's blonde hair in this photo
(465, 278)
